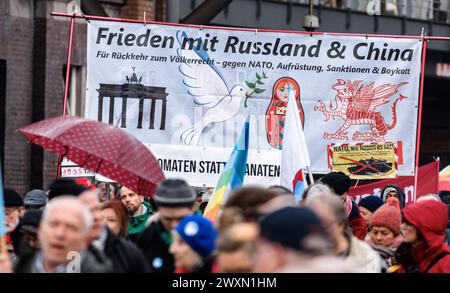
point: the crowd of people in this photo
(77, 227)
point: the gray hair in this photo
(315, 189)
(73, 202)
(321, 196)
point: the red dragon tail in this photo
(394, 112)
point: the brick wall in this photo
(19, 57)
(56, 39)
(134, 9)
(160, 13)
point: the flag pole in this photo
(3, 250)
(310, 175)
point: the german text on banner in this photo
(365, 161)
(188, 90)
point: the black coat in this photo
(155, 241)
(93, 261)
(125, 255)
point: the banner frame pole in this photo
(101, 18)
(66, 89)
(419, 119)
(423, 38)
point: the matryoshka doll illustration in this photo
(276, 110)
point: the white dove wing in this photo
(204, 84)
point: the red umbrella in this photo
(101, 148)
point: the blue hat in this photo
(372, 203)
(198, 233)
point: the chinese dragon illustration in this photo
(356, 104)
(276, 110)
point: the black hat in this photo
(292, 226)
(28, 224)
(338, 181)
(371, 202)
(65, 186)
(12, 198)
(31, 219)
(174, 193)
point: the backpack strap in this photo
(436, 259)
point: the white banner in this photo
(202, 166)
(187, 91)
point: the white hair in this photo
(73, 202)
(329, 199)
(429, 196)
(317, 188)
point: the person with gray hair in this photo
(313, 189)
(64, 232)
(354, 251)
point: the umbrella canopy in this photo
(101, 148)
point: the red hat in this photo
(86, 183)
(388, 216)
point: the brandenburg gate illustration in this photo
(133, 89)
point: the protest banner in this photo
(71, 170)
(364, 161)
(428, 179)
(189, 90)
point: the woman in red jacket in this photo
(423, 229)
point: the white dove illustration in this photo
(208, 88)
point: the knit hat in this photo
(65, 186)
(35, 197)
(12, 198)
(174, 193)
(338, 181)
(372, 203)
(199, 233)
(291, 226)
(394, 188)
(388, 216)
